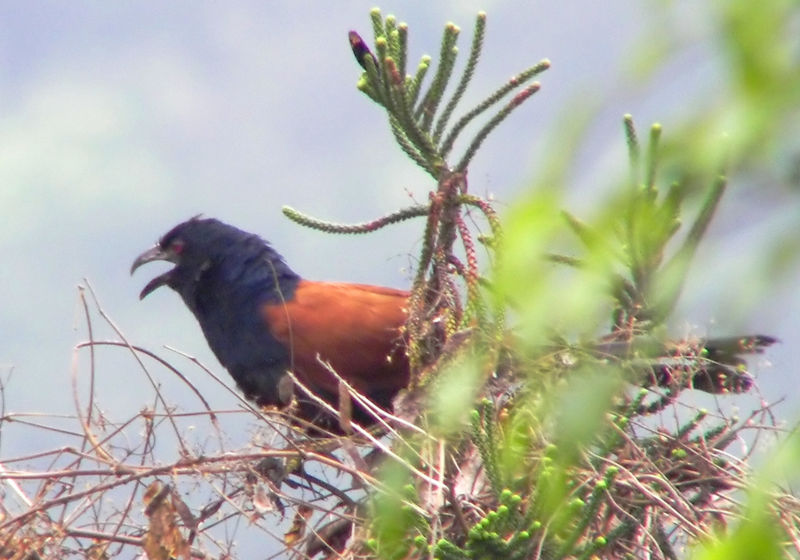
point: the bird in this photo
(262, 320)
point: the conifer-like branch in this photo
(469, 70)
(412, 115)
(367, 227)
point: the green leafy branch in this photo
(412, 116)
(646, 293)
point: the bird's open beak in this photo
(156, 253)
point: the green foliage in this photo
(627, 252)
(561, 457)
(484, 436)
(569, 464)
(396, 520)
(457, 383)
(504, 532)
(417, 120)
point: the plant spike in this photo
(390, 29)
(691, 425)
(374, 79)
(395, 91)
(636, 264)
(652, 160)
(501, 92)
(671, 207)
(582, 231)
(419, 139)
(677, 267)
(364, 86)
(416, 84)
(382, 53)
(402, 51)
(469, 70)
(633, 148)
(587, 515)
(447, 58)
(407, 146)
(471, 275)
(387, 70)
(393, 218)
(377, 23)
(394, 45)
(496, 120)
(484, 438)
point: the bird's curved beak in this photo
(155, 253)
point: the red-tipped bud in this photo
(360, 49)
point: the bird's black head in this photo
(203, 247)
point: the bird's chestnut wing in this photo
(356, 328)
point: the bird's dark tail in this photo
(713, 365)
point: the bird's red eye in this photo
(176, 246)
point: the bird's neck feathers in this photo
(254, 268)
(240, 271)
(240, 274)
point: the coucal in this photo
(261, 320)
